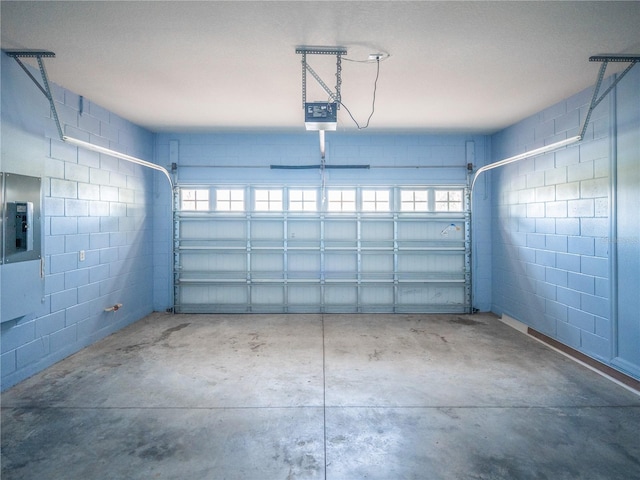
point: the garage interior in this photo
(334, 240)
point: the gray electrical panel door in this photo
(22, 286)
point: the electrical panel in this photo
(320, 115)
(21, 218)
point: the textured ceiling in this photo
(207, 66)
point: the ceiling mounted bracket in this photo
(632, 59)
(338, 52)
(44, 88)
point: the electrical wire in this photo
(373, 103)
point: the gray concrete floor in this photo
(336, 397)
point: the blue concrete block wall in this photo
(552, 224)
(245, 158)
(91, 202)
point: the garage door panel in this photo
(289, 261)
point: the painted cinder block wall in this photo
(394, 159)
(91, 202)
(555, 249)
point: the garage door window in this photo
(268, 200)
(303, 200)
(229, 200)
(375, 201)
(194, 199)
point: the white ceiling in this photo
(213, 65)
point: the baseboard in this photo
(612, 374)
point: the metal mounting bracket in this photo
(44, 88)
(632, 59)
(338, 52)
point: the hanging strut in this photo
(46, 90)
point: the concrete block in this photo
(545, 194)
(595, 305)
(546, 290)
(556, 276)
(603, 287)
(108, 224)
(603, 327)
(568, 191)
(63, 262)
(535, 179)
(89, 158)
(568, 297)
(88, 292)
(76, 173)
(63, 338)
(594, 149)
(63, 151)
(99, 240)
(118, 179)
(76, 208)
(555, 176)
(64, 188)
(108, 193)
(597, 187)
(568, 334)
(580, 208)
(544, 130)
(556, 309)
(50, 323)
(98, 176)
(54, 207)
(596, 266)
(535, 210)
(594, 227)
(78, 313)
(54, 245)
(596, 346)
(87, 191)
(557, 209)
(75, 243)
(582, 320)
(117, 209)
(545, 225)
(569, 262)
(556, 243)
(76, 278)
(88, 224)
(535, 240)
(53, 169)
(117, 239)
(601, 207)
(580, 171)
(568, 226)
(568, 156)
(98, 273)
(14, 334)
(99, 209)
(581, 282)
(581, 245)
(32, 352)
(64, 299)
(546, 258)
(108, 255)
(8, 362)
(568, 121)
(53, 283)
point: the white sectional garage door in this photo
(350, 249)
